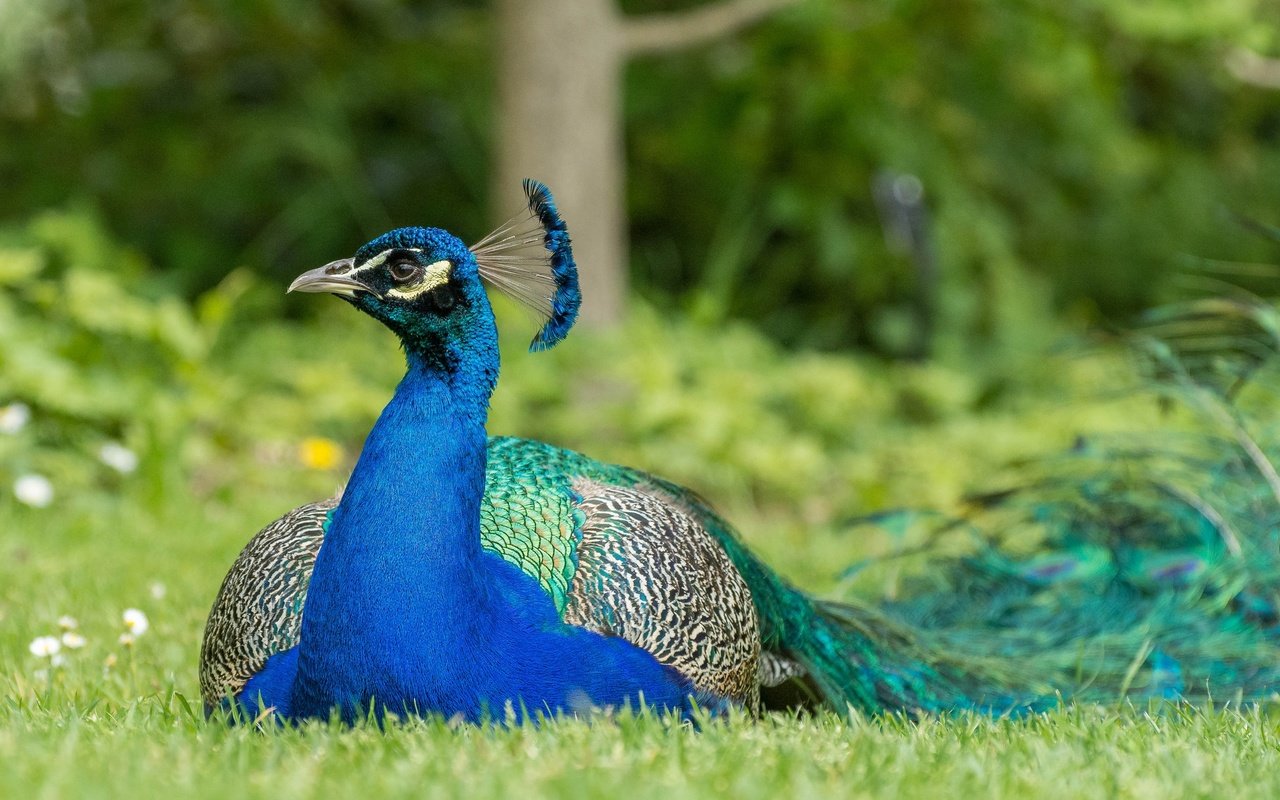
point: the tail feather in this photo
(1121, 569)
(1094, 582)
(1129, 567)
(853, 656)
(1125, 569)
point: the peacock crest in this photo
(530, 259)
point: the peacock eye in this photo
(403, 271)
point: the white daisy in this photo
(127, 639)
(33, 490)
(73, 640)
(45, 646)
(118, 457)
(68, 622)
(14, 417)
(135, 622)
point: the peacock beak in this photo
(334, 278)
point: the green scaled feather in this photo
(529, 517)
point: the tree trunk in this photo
(560, 117)
(559, 120)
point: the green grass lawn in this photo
(807, 440)
(125, 721)
(62, 742)
(152, 748)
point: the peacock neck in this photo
(401, 570)
(420, 478)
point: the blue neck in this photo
(400, 573)
(419, 481)
(407, 612)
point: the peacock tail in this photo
(1130, 567)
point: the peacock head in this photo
(425, 284)
(422, 283)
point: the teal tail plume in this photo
(1129, 568)
(1102, 580)
(1117, 572)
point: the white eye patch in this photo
(435, 274)
(381, 258)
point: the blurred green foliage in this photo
(214, 134)
(226, 392)
(168, 167)
(98, 363)
(1069, 152)
(1084, 143)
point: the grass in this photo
(135, 728)
(116, 720)
(158, 747)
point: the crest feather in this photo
(530, 259)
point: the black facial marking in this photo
(444, 298)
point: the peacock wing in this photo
(623, 559)
(258, 610)
(651, 574)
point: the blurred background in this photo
(831, 247)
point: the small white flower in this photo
(44, 646)
(57, 660)
(135, 622)
(14, 417)
(127, 639)
(118, 457)
(73, 640)
(68, 622)
(33, 490)
(158, 590)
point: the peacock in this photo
(478, 578)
